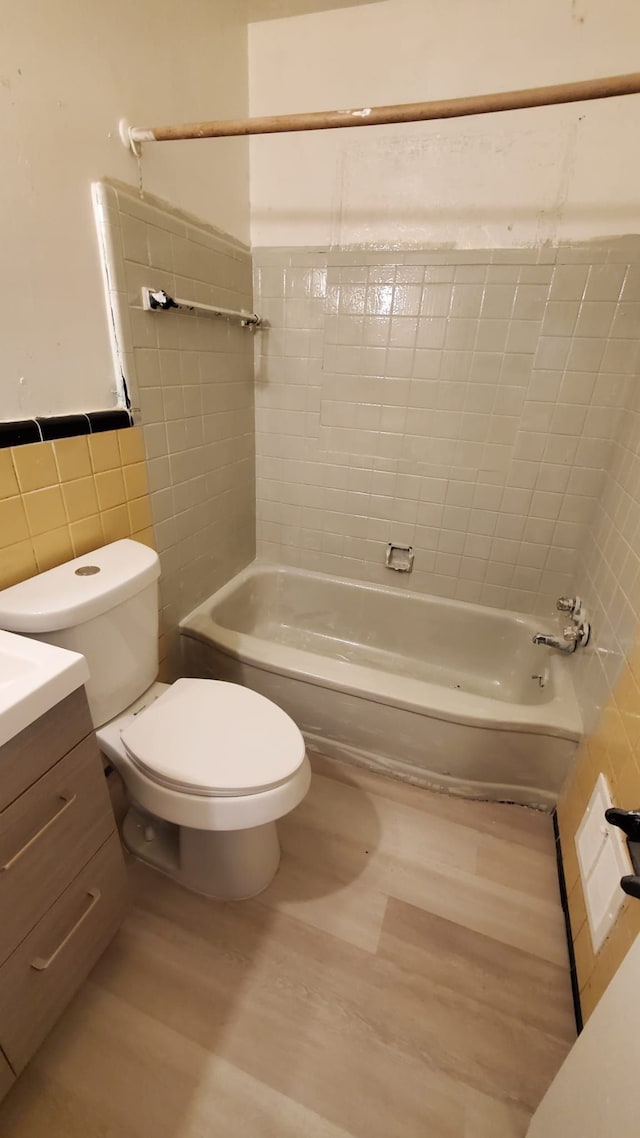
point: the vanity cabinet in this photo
(63, 882)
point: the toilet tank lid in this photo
(79, 590)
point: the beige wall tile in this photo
(135, 480)
(131, 445)
(17, 562)
(43, 527)
(110, 489)
(80, 498)
(104, 451)
(577, 908)
(13, 522)
(145, 537)
(86, 535)
(139, 514)
(52, 548)
(72, 458)
(583, 955)
(8, 481)
(35, 466)
(45, 510)
(625, 783)
(115, 523)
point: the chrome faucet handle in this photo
(578, 633)
(569, 604)
(565, 604)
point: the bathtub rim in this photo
(558, 718)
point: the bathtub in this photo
(444, 694)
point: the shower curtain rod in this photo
(133, 136)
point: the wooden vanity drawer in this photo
(46, 835)
(7, 1077)
(44, 972)
(28, 755)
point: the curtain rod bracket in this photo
(127, 139)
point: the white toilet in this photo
(209, 766)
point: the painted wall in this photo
(66, 77)
(503, 180)
(276, 9)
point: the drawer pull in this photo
(40, 963)
(66, 803)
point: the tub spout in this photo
(576, 635)
(568, 644)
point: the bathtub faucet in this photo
(574, 636)
(568, 643)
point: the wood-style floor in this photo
(404, 977)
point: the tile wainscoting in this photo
(608, 683)
(191, 382)
(61, 499)
(613, 748)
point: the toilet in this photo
(209, 766)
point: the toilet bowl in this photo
(209, 766)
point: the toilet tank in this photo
(103, 605)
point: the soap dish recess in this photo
(399, 557)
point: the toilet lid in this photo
(211, 737)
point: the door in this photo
(596, 1092)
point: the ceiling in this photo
(276, 9)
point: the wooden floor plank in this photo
(490, 1118)
(516, 824)
(309, 890)
(404, 975)
(109, 1071)
(366, 1004)
(294, 1007)
(378, 825)
(399, 850)
(515, 984)
(507, 915)
(533, 872)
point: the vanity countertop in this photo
(34, 676)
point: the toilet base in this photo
(228, 865)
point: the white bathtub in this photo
(440, 693)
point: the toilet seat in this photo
(212, 738)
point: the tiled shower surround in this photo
(464, 403)
(191, 382)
